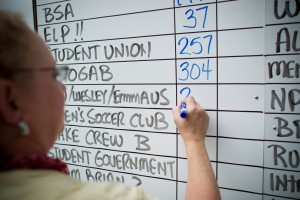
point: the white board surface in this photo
(133, 61)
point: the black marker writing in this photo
(58, 13)
(287, 69)
(287, 9)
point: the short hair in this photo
(14, 42)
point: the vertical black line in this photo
(217, 95)
(263, 174)
(175, 66)
(34, 15)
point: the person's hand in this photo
(194, 127)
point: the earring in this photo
(24, 128)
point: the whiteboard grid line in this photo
(162, 59)
(104, 17)
(154, 108)
(259, 140)
(264, 134)
(115, 150)
(280, 24)
(155, 35)
(217, 91)
(176, 96)
(285, 197)
(246, 191)
(132, 130)
(51, 3)
(282, 54)
(280, 113)
(168, 84)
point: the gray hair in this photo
(14, 42)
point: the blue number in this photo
(178, 2)
(188, 91)
(196, 42)
(207, 70)
(197, 74)
(185, 45)
(190, 13)
(186, 70)
(191, 17)
(209, 43)
(204, 18)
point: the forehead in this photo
(39, 54)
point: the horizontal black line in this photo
(103, 106)
(256, 166)
(161, 59)
(238, 190)
(258, 140)
(285, 197)
(162, 84)
(282, 54)
(238, 56)
(277, 169)
(282, 83)
(108, 16)
(281, 113)
(110, 39)
(145, 36)
(52, 3)
(238, 164)
(164, 59)
(279, 24)
(246, 111)
(243, 28)
(122, 172)
(171, 7)
(166, 108)
(225, 1)
(235, 138)
(120, 151)
(283, 141)
(131, 84)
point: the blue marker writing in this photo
(183, 111)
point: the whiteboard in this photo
(133, 61)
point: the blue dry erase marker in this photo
(183, 111)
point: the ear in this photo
(9, 103)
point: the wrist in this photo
(195, 147)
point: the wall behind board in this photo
(133, 61)
(23, 7)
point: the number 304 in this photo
(194, 70)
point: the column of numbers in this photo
(196, 69)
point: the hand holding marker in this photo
(183, 111)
